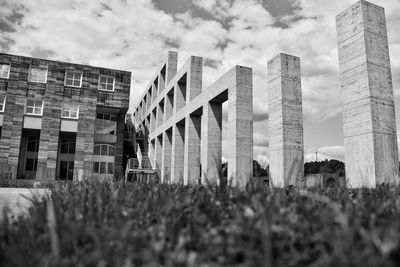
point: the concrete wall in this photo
(285, 121)
(195, 117)
(369, 123)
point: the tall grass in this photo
(165, 225)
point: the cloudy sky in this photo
(135, 35)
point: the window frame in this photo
(34, 107)
(70, 111)
(3, 104)
(113, 84)
(38, 67)
(9, 70)
(73, 72)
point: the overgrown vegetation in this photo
(163, 225)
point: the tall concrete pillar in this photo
(191, 174)
(240, 129)
(172, 65)
(369, 123)
(166, 157)
(178, 149)
(211, 143)
(285, 121)
(158, 154)
(195, 78)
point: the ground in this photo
(166, 225)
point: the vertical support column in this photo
(168, 106)
(195, 77)
(211, 143)
(178, 149)
(153, 118)
(172, 65)
(369, 123)
(240, 129)
(180, 93)
(166, 157)
(11, 132)
(285, 121)
(119, 149)
(160, 113)
(49, 135)
(159, 152)
(191, 172)
(83, 163)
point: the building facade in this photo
(61, 121)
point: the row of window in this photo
(72, 78)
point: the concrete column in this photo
(153, 120)
(166, 157)
(240, 129)
(211, 143)
(172, 65)
(285, 121)
(195, 78)
(191, 173)
(168, 106)
(369, 124)
(160, 114)
(158, 154)
(178, 149)
(180, 93)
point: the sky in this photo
(135, 35)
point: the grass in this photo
(163, 225)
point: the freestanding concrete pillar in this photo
(240, 129)
(166, 157)
(178, 148)
(369, 123)
(211, 143)
(285, 121)
(191, 174)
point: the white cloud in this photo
(135, 36)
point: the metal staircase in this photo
(140, 168)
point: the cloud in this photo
(135, 36)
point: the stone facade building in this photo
(61, 120)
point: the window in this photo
(104, 150)
(107, 117)
(103, 160)
(70, 111)
(31, 164)
(106, 83)
(34, 107)
(73, 79)
(4, 71)
(103, 167)
(37, 74)
(67, 148)
(2, 102)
